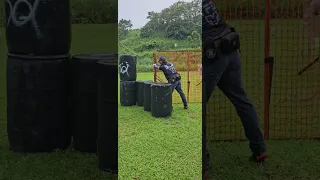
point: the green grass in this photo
(289, 160)
(159, 148)
(58, 165)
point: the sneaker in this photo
(259, 158)
(206, 175)
(186, 107)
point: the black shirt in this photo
(213, 24)
(168, 70)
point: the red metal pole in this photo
(188, 76)
(154, 69)
(267, 69)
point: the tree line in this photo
(180, 21)
(85, 12)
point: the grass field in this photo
(289, 160)
(290, 115)
(157, 148)
(58, 165)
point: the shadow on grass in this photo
(288, 160)
(160, 148)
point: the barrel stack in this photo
(161, 100)
(128, 77)
(108, 115)
(153, 97)
(38, 41)
(84, 98)
(147, 96)
(140, 92)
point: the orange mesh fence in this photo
(186, 62)
(222, 120)
(294, 108)
(286, 93)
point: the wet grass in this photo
(62, 164)
(157, 148)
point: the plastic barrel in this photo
(147, 95)
(108, 115)
(84, 87)
(161, 100)
(37, 103)
(140, 92)
(38, 27)
(127, 67)
(128, 93)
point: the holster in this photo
(230, 42)
(210, 48)
(213, 48)
(175, 78)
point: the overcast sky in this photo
(137, 10)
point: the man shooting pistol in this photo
(173, 77)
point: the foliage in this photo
(124, 26)
(143, 48)
(94, 11)
(2, 19)
(86, 12)
(178, 21)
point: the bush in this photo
(86, 12)
(94, 11)
(2, 20)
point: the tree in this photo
(124, 27)
(177, 21)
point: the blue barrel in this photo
(128, 67)
(128, 93)
(147, 95)
(38, 27)
(84, 104)
(161, 100)
(140, 92)
(37, 103)
(108, 115)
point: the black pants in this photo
(177, 86)
(225, 73)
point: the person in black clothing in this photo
(173, 78)
(221, 67)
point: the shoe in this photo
(206, 175)
(259, 158)
(186, 107)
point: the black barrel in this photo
(84, 87)
(147, 96)
(37, 103)
(161, 100)
(128, 93)
(140, 92)
(127, 67)
(108, 115)
(38, 27)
